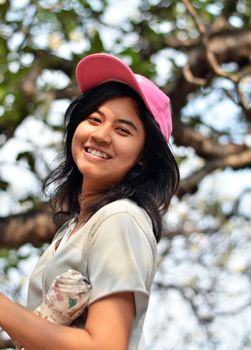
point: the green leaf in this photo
(4, 7)
(3, 185)
(96, 43)
(28, 156)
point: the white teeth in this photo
(97, 153)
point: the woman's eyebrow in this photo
(99, 112)
(128, 122)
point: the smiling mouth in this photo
(97, 153)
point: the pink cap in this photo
(99, 68)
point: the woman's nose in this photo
(102, 134)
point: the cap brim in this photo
(96, 69)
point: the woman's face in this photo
(108, 143)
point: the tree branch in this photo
(211, 57)
(205, 39)
(182, 290)
(205, 147)
(35, 227)
(235, 161)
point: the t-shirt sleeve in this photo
(121, 258)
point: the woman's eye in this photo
(123, 131)
(94, 119)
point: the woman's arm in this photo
(108, 326)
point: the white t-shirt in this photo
(115, 249)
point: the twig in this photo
(243, 102)
(198, 21)
(215, 65)
(191, 78)
(206, 43)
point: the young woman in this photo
(115, 181)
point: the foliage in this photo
(199, 52)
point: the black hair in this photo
(150, 185)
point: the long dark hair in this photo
(150, 185)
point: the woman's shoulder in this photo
(124, 213)
(122, 207)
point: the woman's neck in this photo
(86, 199)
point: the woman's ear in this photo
(140, 159)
